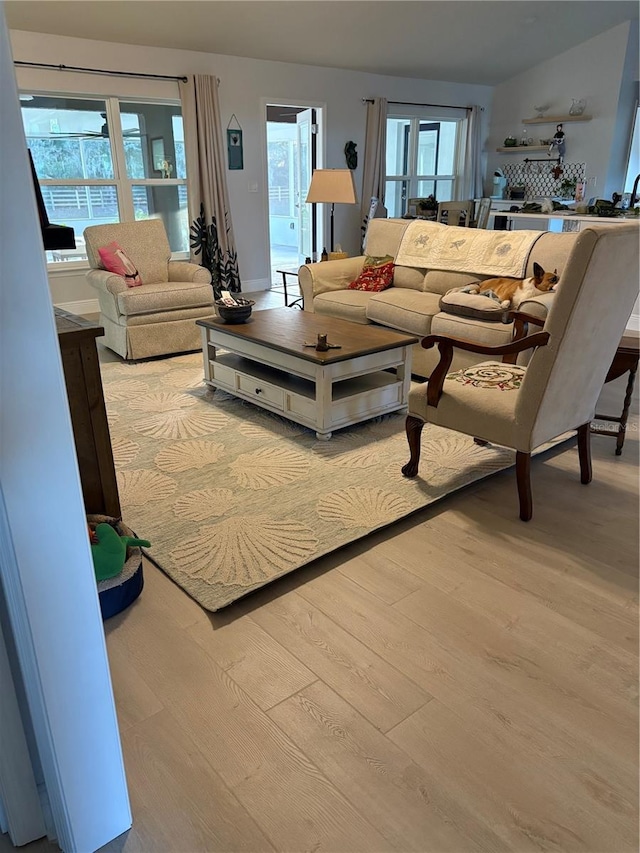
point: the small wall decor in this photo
(558, 142)
(234, 145)
(351, 155)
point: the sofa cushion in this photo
(409, 277)
(468, 329)
(486, 411)
(376, 275)
(551, 251)
(344, 304)
(405, 310)
(384, 236)
(480, 306)
(442, 281)
(164, 296)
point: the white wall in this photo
(46, 570)
(627, 104)
(594, 70)
(244, 84)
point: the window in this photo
(101, 161)
(424, 157)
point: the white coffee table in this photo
(266, 361)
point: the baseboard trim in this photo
(256, 285)
(81, 306)
(634, 323)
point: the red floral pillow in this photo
(115, 259)
(376, 275)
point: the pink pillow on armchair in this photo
(115, 259)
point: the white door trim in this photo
(49, 584)
(18, 790)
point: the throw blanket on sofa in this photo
(434, 246)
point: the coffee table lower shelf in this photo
(321, 397)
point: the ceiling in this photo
(462, 41)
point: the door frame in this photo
(302, 103)
(46, 571)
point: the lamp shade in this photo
(332, 185)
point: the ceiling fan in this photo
(88, 134)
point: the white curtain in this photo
(375, 153)
(211, 237)
(473, 155)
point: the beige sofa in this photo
(412, 303)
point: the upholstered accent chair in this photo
(523, 407)
(158, 317)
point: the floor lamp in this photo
(332, 186)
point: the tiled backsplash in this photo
(538, 178)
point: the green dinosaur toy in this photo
(110, 554)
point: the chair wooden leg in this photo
(523, 477)
(584, 453)
(413, 427)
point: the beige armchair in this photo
(158, 317)
(524, 407)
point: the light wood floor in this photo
(461, 681)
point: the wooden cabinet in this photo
(77, 340)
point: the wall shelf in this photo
(555, 119)
(523, 148)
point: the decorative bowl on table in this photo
(239, 313)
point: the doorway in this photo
(293, 153)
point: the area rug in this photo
(233, 497)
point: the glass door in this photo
(304, 163)
(291, 146)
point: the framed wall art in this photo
(235, 152)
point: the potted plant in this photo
(567, 188)
(428, 204)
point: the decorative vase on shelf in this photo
(577, 107)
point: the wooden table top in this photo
(288, 331)
(630, 342)
(73, 326)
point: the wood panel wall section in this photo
(77, 339)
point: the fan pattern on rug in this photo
(233, 497)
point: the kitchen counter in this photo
(557, 220)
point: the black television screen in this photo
(53, 236)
